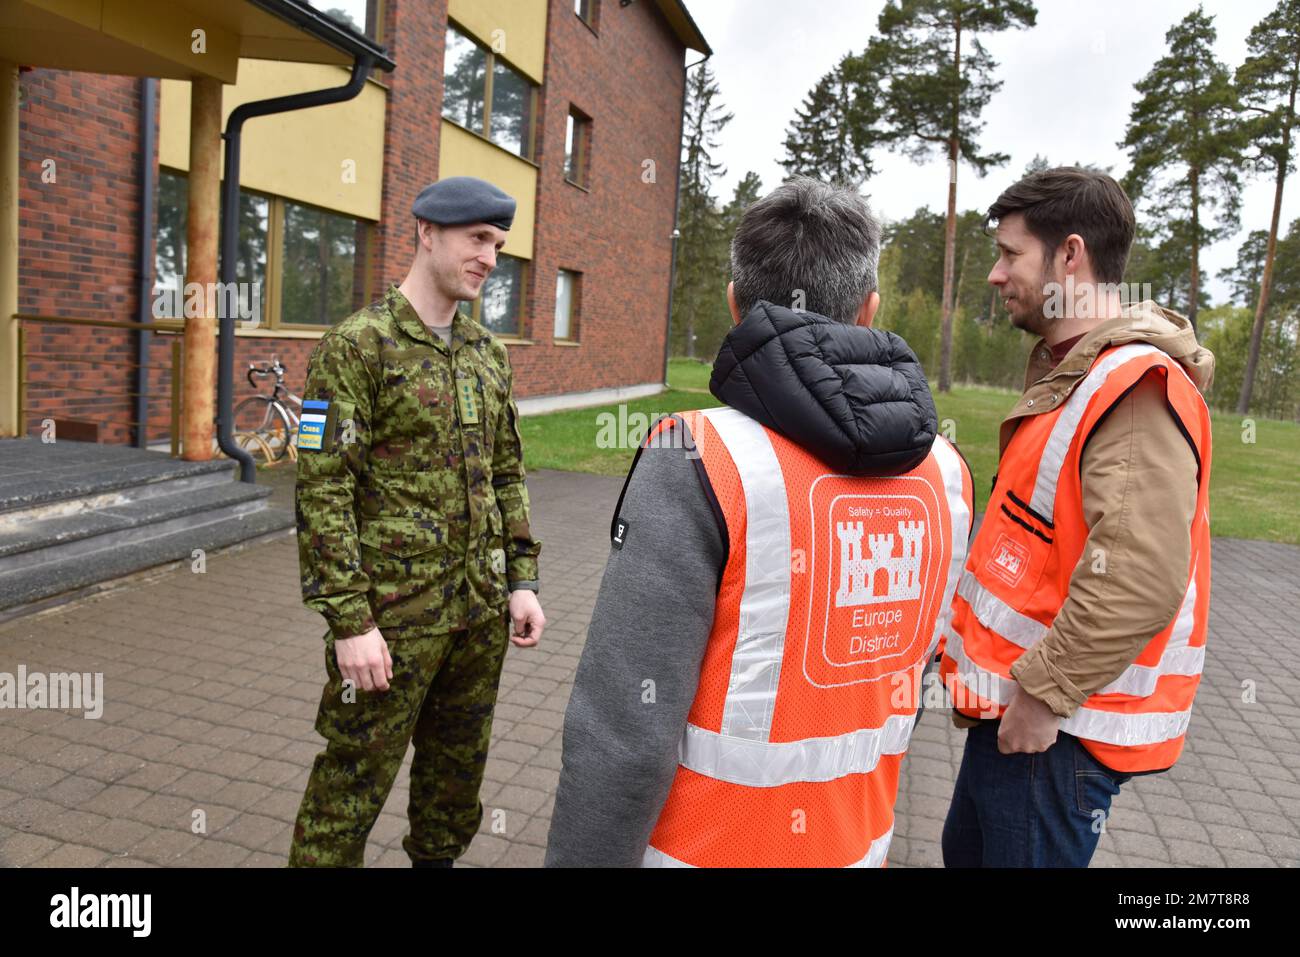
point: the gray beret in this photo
(464, 199)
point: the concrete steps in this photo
(75, 515)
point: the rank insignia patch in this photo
(468, 397)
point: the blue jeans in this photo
(1027, 810)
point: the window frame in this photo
(489, 80)
(575, 307)
(591, 20)
(271, 300)
(476, 304)
(275, 241)
(582, 126)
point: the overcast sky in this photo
(1067, 91)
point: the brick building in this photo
(572, 106)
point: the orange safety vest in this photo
(1032, 538)
(834, 596)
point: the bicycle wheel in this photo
(265, 418)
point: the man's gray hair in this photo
(807, 246)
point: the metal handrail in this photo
(177, 369)
(176, 326)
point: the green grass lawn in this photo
(1254, 486)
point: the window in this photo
(577, 135)
(169, 249)
(566, 304)
(511, 109)
(320, 255)
(487, 96)
(361, 15)
(499, 306)
(250, 261)
(586, 11)
(307, 263)
(169, 243)
(464, 82)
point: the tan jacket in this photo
(1139, 496)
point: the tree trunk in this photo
(323, 279)
(1257, 330)
(1195, 285)
(950, 232)
(961, 278)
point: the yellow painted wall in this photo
(461, 153)
(298, 155)
(522, 26)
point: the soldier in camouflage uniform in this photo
(413, 541)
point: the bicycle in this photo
(268, 422)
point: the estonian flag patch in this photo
(311, 427)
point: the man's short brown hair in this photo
(1073, 199)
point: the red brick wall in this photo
(628, 78)
(77, 259)
(77, 239)
(415, 34)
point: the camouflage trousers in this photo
(441, 698)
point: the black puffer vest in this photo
(856, 398)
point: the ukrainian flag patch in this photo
(311, 427)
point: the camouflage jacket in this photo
(410, 499)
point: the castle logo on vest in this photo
(876, 562)
(1009, 560)
(858, 578)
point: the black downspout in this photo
(230, 240)
(144, 255)
(677, 202)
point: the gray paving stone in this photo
(23, 848)
(203, 714)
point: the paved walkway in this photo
(211, 683)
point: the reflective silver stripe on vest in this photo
(987, 684)
(1095, 724)
(1136, 680)
(769, 764)
(765, 602)
(1127, 730)
(1067, 423)
(959, 520)
(654, 857)
(1177, 659)
(875, 856)
(997, 616)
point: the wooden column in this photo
(10, 425)
(202, 238)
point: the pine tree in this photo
(701, 264)
(821, 140)
(712, 318)
(1244, 275)
(1185, 143)
(1038, 164)
(1276, 381)
(935, 78)
(1267, 83)
(747, 192)
(1159, 259)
